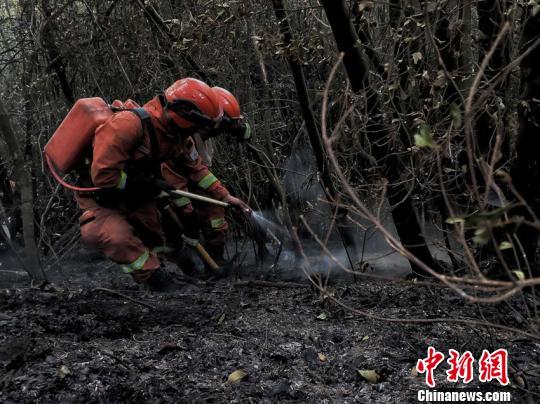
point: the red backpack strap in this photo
(146, 121)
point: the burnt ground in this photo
(83, 344)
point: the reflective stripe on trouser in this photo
(162, 249)
(217, 223)
(112, 231)
(138, 264)
(214, 224)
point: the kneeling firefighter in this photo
(190, 173)
(118, 157)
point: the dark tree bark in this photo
(311, 123)
(57, 63)
(406, 222)
(448, 48)
(266, 160)
(490, 21)
(526, 171)
(303, 97)
(29, 65)
(24, 186)
(367, 42)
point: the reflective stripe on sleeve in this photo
(122, 182)
(207, 181)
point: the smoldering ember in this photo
(308, 201)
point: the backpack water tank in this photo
(75, 134)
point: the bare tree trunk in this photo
(466, 59)
(24, 185)
(267, 159)
(311, 125)
(526, 172)
(57, 63)
(491, 17)
(406, 222)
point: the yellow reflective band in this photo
(207, 181)
(181, 202)
(162, 249)
(138, 264)
(217, 223)
(122, 182)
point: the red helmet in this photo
(229, 103)
(193, 103)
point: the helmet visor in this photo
(189, 111)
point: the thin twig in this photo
(116, 293)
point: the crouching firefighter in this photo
(118, 155)
(189, 172)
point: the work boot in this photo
(161, 281)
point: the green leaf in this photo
(424, 137)
(455, 220)
(221, 318)
(237, 376)
(519, 275)
(323, 316)
(481, 236)
(455, 113)
(505, 245)
(63, 371)
(369, 375)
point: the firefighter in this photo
(122, 219)
(190, 173)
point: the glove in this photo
(242, 132)
(238, 204)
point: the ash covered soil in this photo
(84, 344)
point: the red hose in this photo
(65, 184)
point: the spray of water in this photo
(263, 221)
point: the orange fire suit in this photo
(187, 172)
(127, 233)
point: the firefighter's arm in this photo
(176, 181)
(242, 132)
(208, 182)
(115, 143)
(197, 172)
